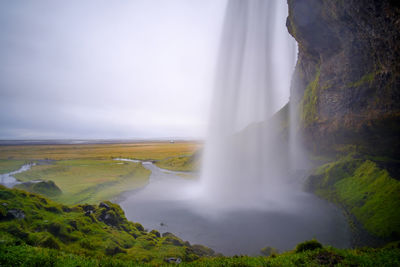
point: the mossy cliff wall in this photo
(347, 77)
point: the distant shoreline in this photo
(89, 141)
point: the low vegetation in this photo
(46, 188)
(35, 231)
(100, 231)
(141, 151)
(40, 231)
(7, 166)
(88, 181)
(364, 190)
(185, 163)
(88, 173)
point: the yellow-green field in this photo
(88, 173)
(10, 165)
(141, 150)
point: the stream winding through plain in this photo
(8, 179)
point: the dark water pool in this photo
(235, 232)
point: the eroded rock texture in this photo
(347, 79)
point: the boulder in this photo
(15, 214)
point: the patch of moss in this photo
(367, 78)
(25, 255)
(308, 245)
(364, 190)
(269, 251)
(309, 102)
(9, 165)
(374, 198)
(187, 163)
(96, 231)
(46, 188)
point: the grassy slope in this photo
(57, 235)
(364, 190)
(33, 256)
(101, 232)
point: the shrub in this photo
(113, 249)
(49, 242)
(308, 245)
(269, 251)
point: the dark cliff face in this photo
(347, 78)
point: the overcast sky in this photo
(107, 69)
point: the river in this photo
(8, 180)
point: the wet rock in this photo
(15, 214)
(109, 217)
(88, 207)
(66, 209)
(73, 224)
(104, 205)
(53, 209)
(346, 82)
(156, 233)
(171, 239)
(88, 213)
(173, 260)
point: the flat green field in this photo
(141, 150)
(10, 165)
(88, 173)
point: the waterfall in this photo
(245, 157)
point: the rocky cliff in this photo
(347, 77)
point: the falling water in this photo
(245, 156)
(246, 200)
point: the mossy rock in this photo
(171, 239)
(46, 188)
(48, 225)
(201, 250)
(308, 245)
(113, 249)
(156, 233)
(269, 251)
(365, 191)
(5, 194)
(49, 242)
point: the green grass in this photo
(52, 234)
(34, 256)
(365, 190)
(89, 181)
(374, 198)
(46, 188)
(140, 150)
(9, 165)
(87, 173)
(186, 163)
(95, 231)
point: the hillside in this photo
(35, 231)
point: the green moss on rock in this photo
(46, 188)
(310, 101)
(364, 190)
(97, 231)
(367, 78)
